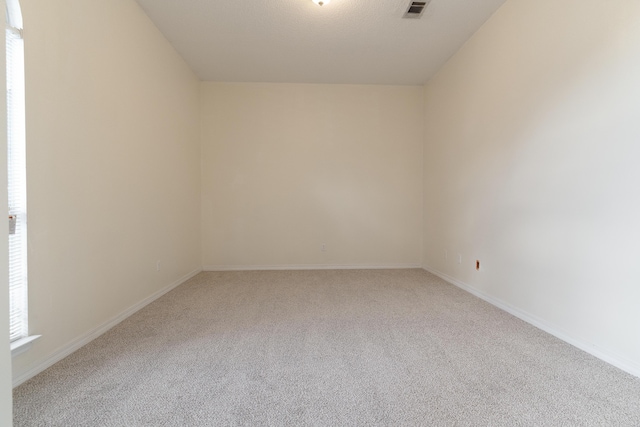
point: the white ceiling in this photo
(296, 41)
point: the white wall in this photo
(289, 167)
(113, 161)
(6, 407)
(531, 166)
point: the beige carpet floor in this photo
(326, 348)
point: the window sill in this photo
(22, 345)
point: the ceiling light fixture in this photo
(321, 2)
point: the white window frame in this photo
(16, 166)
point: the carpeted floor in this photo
(326, 348)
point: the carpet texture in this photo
(326, 348)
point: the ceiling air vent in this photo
(416, 8)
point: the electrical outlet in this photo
(459, 259)
(158, 265)
(446, 255)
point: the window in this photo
(16, 173)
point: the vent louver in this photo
(416, 9)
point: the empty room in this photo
(321, 213)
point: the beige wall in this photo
(5, 355)
(531, 166)
(289, 167)
(113, 167)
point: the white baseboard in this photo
(89, 336)
(610, 357)
(308, 267)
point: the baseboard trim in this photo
(309, 267)
(89, 336)
(610, 357)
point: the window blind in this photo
(16, 175)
